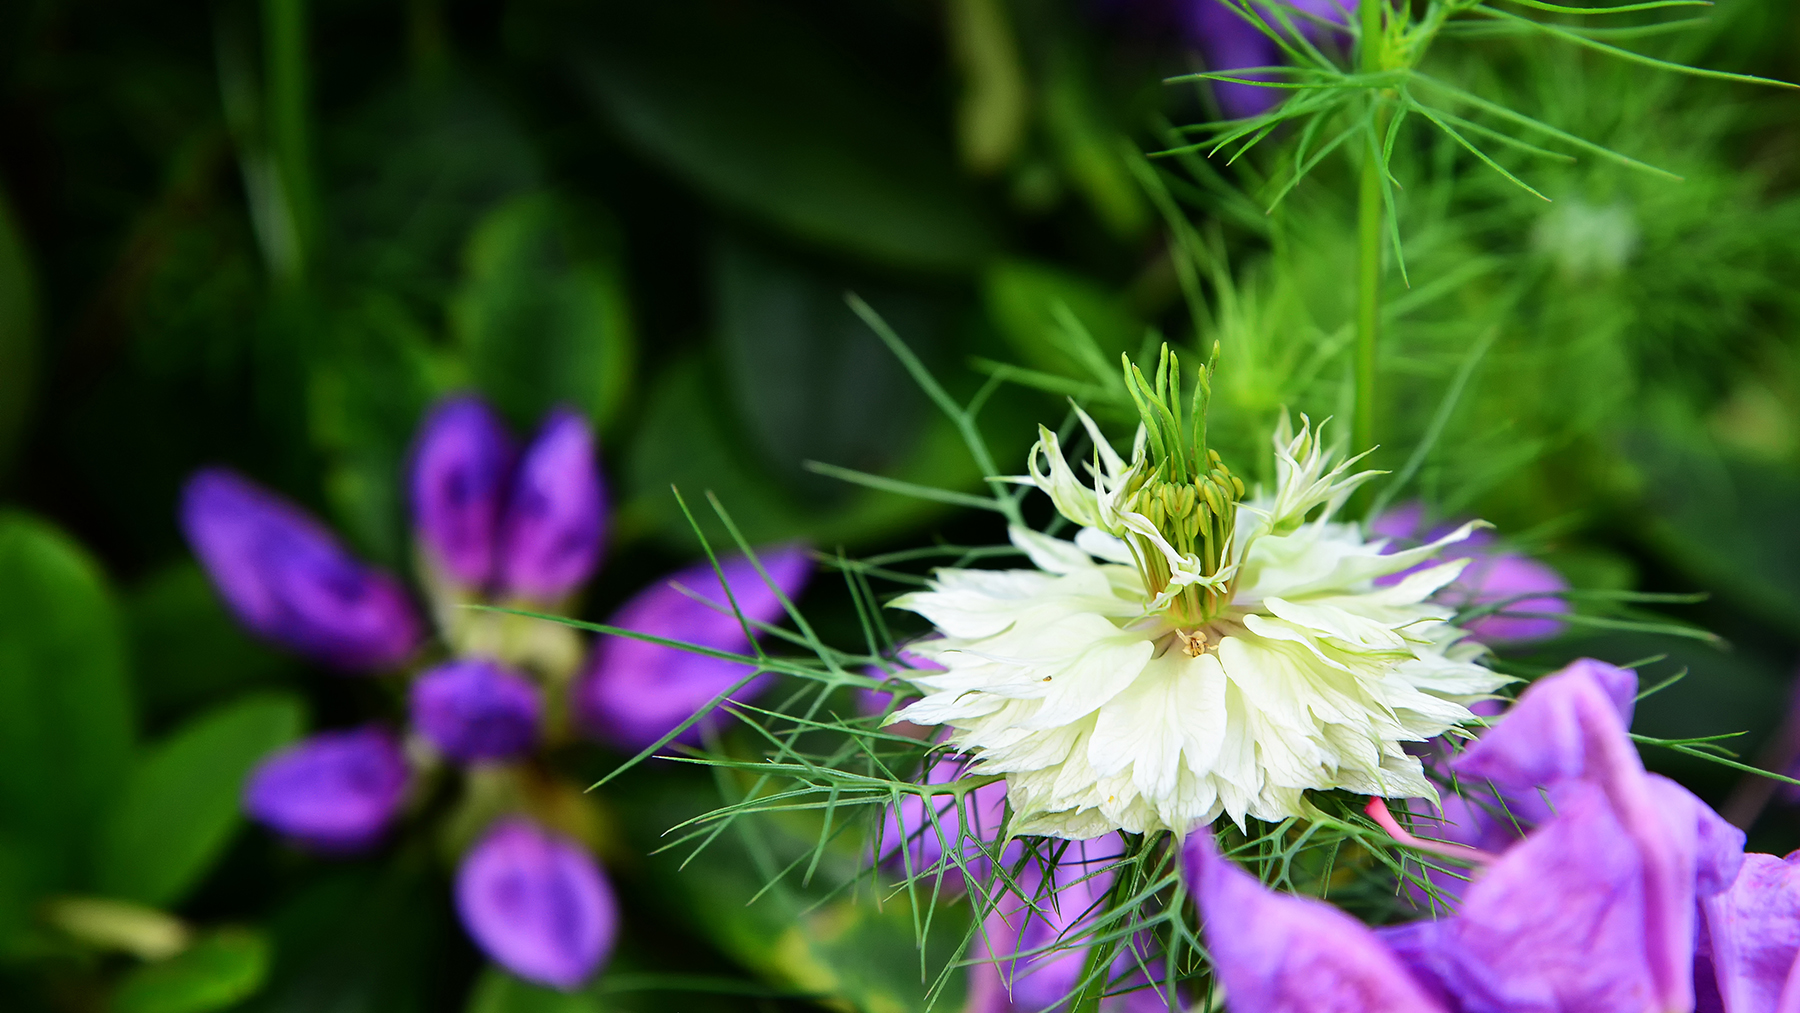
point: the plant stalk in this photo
(1368, 221)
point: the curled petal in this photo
(460, 464)
(1277, 953)
(1754, 931)
(287, 578)
(634, 692)
(555, 522)
(476, 709)
(537, 904)
(336, 792)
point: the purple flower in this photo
(918, 843)
(1029, 956)
(476, 709)
(1750, 957)
(635, 692)
(289, 579)
(1228, 41)
(1592, 911)
(460, 464)
(336, 792)
(1490, 578)
(537, 904)
(550, 537)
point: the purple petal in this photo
(288, 579)
(1401, 522)
(1277, 953)
(555, 520)
(475, 709)
(1228, 42)
(1034, 947)
(537, 904)
(928, 838)
(1501, 577)
(1754, 929)
(634, 692)
(335, 792)
(460, 464)
(1570, 724)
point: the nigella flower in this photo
(1228, 41)
(634, 692)
(1507, 579)
(476, 709)
(286, 577)
(1192, 652)
(1593, 910)
(537, 904)
(336, 792)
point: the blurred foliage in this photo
(270, 234)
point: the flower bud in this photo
(476, 709)
(460, 464)
(336, 792)
(634, 692)
(555, 520)
(537, 904)
(290, 580)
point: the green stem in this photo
(1368, 215)
(288, 84)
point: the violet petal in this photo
(460, 464)
(288, 578)
(1277, 953)
(634, 692)
(1501, 577)
(552, 531)
(335, 792)
(1754, 930)
(537, 904)
(476, 709)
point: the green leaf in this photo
(187, 652)
(542, 312)
(180, 805)
(1023, 300)
(18, 334)
(65, 710)
(498, 992)
(760, 112)
(218, 971)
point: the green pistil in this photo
(1188, 493)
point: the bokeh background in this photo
(272, 235)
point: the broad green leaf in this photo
(186, 651)
(760, 112)
(180, 804)
(65, 709)
(498, 992)
(218, 971)
(542, 313)
(18, 334)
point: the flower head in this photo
(537, 904)
(634, 692)
(335, 792)
(476, 709)
(289, 579)
(1193, 651)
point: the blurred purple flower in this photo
(537, 904)
(1228, 41)
(1491, 577)
(476, 709)
(634, 692)
(288, 579)
(1028, 957)
(1592, 911)
(918, 844)
(460, 463)
(555, 522)
(335, 792)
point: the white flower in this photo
(1110, 703)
